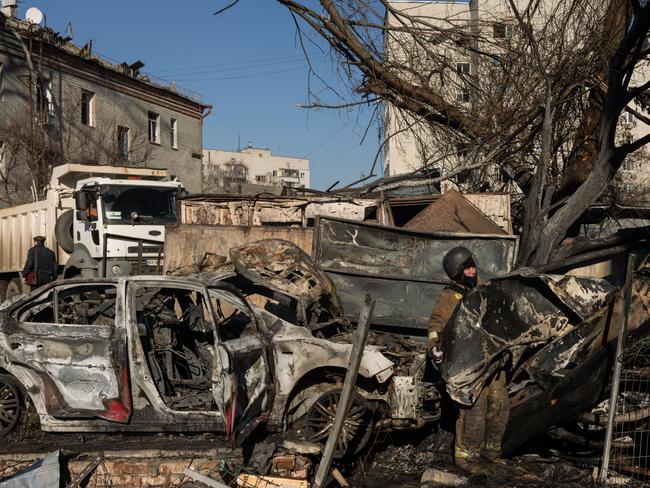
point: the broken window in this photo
(154, 127)
(88, 108)
(44, 100)
(38, 311)
(173, 133)
(123, 142)
(232, 322)
(176, 333)
(87, 305)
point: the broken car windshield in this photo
(152, 205)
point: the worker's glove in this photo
(436, 355)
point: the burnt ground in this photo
(29, 438)
(395, 460)
(398, 461)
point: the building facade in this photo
(61, 104)
(411, 144)
(251, 165)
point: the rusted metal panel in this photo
(402, 268)
(452, 212)
(186, 245)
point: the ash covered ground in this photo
(393, 460)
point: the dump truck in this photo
(101, 221)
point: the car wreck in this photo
(553, 335)
(202, 354)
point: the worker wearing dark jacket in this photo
(479, 428)
(42, 261)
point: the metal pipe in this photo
(616, 378)
(347, 391)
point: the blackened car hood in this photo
(500, 320)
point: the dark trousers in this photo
(480, 428)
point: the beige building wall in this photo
(411, 144)
(253, 165)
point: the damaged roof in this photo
(452, 212)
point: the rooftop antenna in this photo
(34, 16)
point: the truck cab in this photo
(100, 221)
(118, 226)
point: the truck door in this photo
(71, 336)
(241, 377)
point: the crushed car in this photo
(222, 351)
(554, 335)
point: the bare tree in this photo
(33, 144)
(550, 82)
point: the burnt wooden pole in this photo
(348, 387)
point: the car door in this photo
(71, 336)
(242, 386)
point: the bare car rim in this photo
(9, 406)
(357, 426)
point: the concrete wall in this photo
(185, 245)
(119, 100)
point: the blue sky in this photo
(246, 62)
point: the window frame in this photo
(173, 132)
(462, 95)
(88, 107)
(153, 136)
(124, 142)
(464, 68)
(44, 97)
(501, 30)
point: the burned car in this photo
(554, 335)
(186, 354)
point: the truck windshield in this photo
(153, 205)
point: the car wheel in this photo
(357, 427)
(10, 407)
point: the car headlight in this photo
(116, 269)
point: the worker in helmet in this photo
(479, 428)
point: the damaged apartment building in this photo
(252, 170)
(474, 41)
(64, 104)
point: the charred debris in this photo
(260, 335)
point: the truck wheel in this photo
(10, 408)
(63, 231)
(3, 290)
(14, 288)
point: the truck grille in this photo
(145, 249)
(145, 269)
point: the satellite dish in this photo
(34, 16)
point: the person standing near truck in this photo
(479, 428)
(41, 266)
